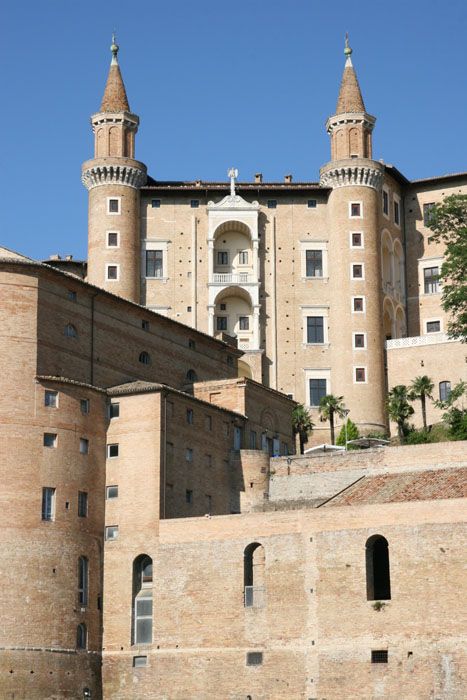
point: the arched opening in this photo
(142, 600)
(233, 314)
(233, 253)
(191, 376)
(244, 370)
(388, 319)
(378, 584)
(399, 269)
(144, 358)
(253, 575)
(81, 636)
(387, 262)
(400, 323)
(70, 331)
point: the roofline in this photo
(99, 290)
(200, 185)
(447, 176)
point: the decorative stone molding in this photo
(350, 175)
(417, 340)
(113, 174)
(233, 202)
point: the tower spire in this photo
(350, 97)
(115, 98)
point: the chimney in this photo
(68, 257)
(288, 179)
(259, 178)
(55, 256)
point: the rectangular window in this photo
(114, 410)
(191, 344)
(311, 204)
(189, 454)
(154, 263)
(359, 340)
(315, 329)
(223, 307)
(51, 399)
(357, 271)
(208, 460)
(72, 296)
(253, 440)
(112, 272)
(140, 661)
(244, 323)
(112, 240)
(50, 439)
(314, 263)
(431, 280)
(272, 203)
(155, 203)
(111, 492)
(221, 323)
(194, 204)
(318, 389)
(357, 240)
(254, 658)
(444, 390)
(427, 212)
(385, 203)
(113, 206)
(243, 257)
(189, 416)
(355, 209)
(208, 422)
(82, 504)
(222, 257)
(396, 212)
(379, 656)
(189, 496)
(84, 446)
(112, 450)
(111, 532)
(360, 374)
(83, 581)
(145, 325)
(48, 503)
(143, 620)
(433, 326)
(84, 406)
(358, 305)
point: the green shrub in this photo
(352, 434)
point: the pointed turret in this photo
(351, 126)
(115, 98)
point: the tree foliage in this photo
(455, 414)
(421, 388)
(351, 431)
(302, 425)
(448, 221)
(399, 409)
(329, 406)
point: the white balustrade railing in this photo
(416, 340)
(232, 278)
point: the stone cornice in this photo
(131, 175)
(348, 173)
(337, 120)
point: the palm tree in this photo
(421, 388)
(329, 406)
(399, 408)
(302, 424)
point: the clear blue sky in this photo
(248, 83)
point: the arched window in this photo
(81, 636)
(83, 580)
(142, 600)
(191, 376)
(70, 331)
(144, 358)
(253, 575)
(378, 584)
(444, 390)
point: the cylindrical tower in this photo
(113, 179)
(356, 334)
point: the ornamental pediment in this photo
(233, 202)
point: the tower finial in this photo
(347, 49)
(114, 48)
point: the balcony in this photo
(233, 278)
(418, 340)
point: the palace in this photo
(159, 537)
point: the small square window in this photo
(189, 496)
(155, 203)
(72, 296)
(84, 405)
(82, 504)
(111, 532)
(357, 271)
(194, 204)
(359, 340)
(379, 656)
(112, 450)
(189, 454)
(355, 209)
(50, 439)
(272, 203)
(223, 307)
(84, 446)
(140, 661)
(114, 410)
(51, 399)
(48, 503)
(312, 204)
(114, 206)
(360, 374)
(191, 344)
(112, 240)
(112, 272)
(358, 305)
(254, 658)
(433, 326)
(221, 323)
(189, 416)
(111, 492)
(357, 240)
(145, 325)
(188, 308)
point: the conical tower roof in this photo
(115, 98)
(350, 97)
